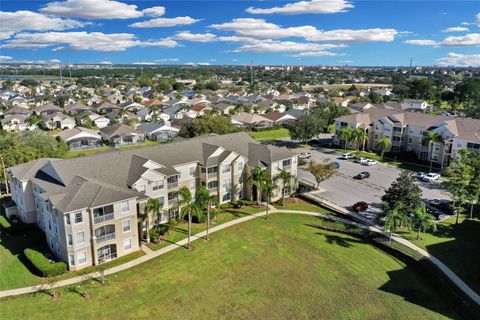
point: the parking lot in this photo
(344, 191)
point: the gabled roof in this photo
(119, 129)
(69, 134)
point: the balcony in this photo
(172, 201)
(212, 175)
(172, 185)
(107, 257)
(103, 218)
(106, 237)
(213, 189)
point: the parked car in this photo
(361, 160)
(362, 175)
(370, 163)
(420, 175)
(347, 156)
(443, 205)
(305, 155)
(430, 177)
(432, 210)
(360, 206)
(335, 164)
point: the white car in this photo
(431, 177)
(305, 155)
(370, 163)
(420, 175)
(361, 160)
(347, 156)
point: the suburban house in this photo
(80, 138)
(47, 109)
(278, 118)
(58, 120)
(406, 130)
(251, 120)
(76, 108)
(105, 107)
(89, 207)
(100, 121)
(158, 132)
(121, 135)
(16, 122)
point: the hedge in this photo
(43, 265)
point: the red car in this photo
(360, 206)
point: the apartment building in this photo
(89, 207)
(407, 130)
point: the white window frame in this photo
(129, 225)
(125, 208)
(71, 259)
(240, 166)
(81, 215)
(192, 171)
(69, 239)
(128, 240)
(76, 237)
(78, 257)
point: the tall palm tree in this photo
(383, 145)
(188, 207)
(431, 138)
(423, 220)
(154, 112)
(395, 218)
(257, 176)
(154, 207)
(361, 138)
(287, 181)
(206, 201)
(267, 187)
(346, 135)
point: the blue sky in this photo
(310, 32)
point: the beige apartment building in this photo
(407, 130)
(89, 207)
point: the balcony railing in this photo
(172, 201)
(172, 185)
(212, 174)
(107, 257)
(213, 189)
(103, 218)
(106, 237)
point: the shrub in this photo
(43, 265)
(163, 228)
(195, 219)
(237, 205)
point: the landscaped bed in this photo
(284, 268)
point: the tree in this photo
(267, 188)
(306, 127)
(403, 191)
(206, 124)
(394, 218)
(422, 220)
(154, 113)
(359, 138)
(88, 123)
(383, 145)
(154, 207)
(36, 120)
(321, 171)
(286, 181)
(346, 134)
(212, 85)
(188, 207)
(206, 201)
(431, 138)
(145, 81)
(473, 189)
(163, 85)
(257, 177)
(178, 86)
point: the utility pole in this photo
(61, 78)
(5, 175)
(141, 70)
(251, 75)
(410, 70)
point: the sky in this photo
(309, 32)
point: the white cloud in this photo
(154, 11)
(203, 63)
(5, 58)
(92, 9)
(195, 37)
(197, 63)
(314, 54)
(261, 29)
(345, 61)
(96, 41)
(422, 42)
(167, 60)
(455, 29)
(286, 46)
(54, 61)
(460, 60)
(146, 63)
(164, 22)
(105, 62)
(306, 7)
(13, 22)
(472, 39)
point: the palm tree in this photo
(153, 112)
(346, 134)
(360, 137)
(286, 180)
(216, 112)
(154, 207)
(383, 145)
(206, 201)
(267, 187)
(423, 220)
(394, 219)
(431, 138)
(188, 207)
(35, 119)
(257, 176)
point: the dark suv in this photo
(443, 205)
(360, 206)
(362, 175)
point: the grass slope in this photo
(280, 269)
(270, 134)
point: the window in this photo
(142, 189)
(240, 194)
(125, 207)
(227, 183)
(287, 163)
(126, 225)
(158, 185)
(80, 237)
(226, 168)
(192, 171)
(192, 185)
(71, 258)
(410, 140)
(49, 225)
(82, 257)
(69, 240)
(226, 197)
(78, 217)
(127, 244)
(240, 166)
(67, 219)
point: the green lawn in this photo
(455, 245)
(280, 269)
(81, 153)
(302, 205)
(270, 134)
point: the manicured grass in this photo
(302, 205)
(278, 269)
(270, 134)
(455, 245)
(82, 153)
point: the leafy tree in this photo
(178, 86)
(420, 88)
(212, 85)
(467, 92)
(35, 119)
(422, 220)
(403, 191)
(163, 85)
(383, 145)
(431, 138)
(306, 127)
(206, 124)
(88, 123)
(321, 171)
(145, 81)
(257, 177)
(394, 218)
(29, 82)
